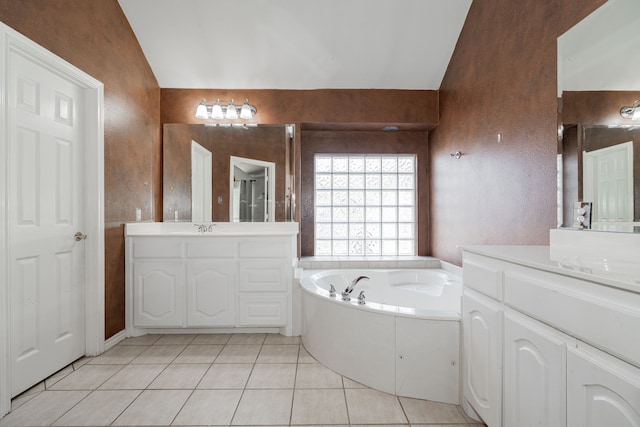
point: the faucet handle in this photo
(361, 300)
(332, 291)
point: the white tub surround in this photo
(402, 341)
(184, 277)
(550, 340)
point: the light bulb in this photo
(201, 111)
(216, 112)
(232, 113)
(245, 111)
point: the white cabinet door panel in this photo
(211, 290)
(158, 293)
(601, 390)
(534, 374)
(482, 384)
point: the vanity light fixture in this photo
(228, 111)
(632, 112)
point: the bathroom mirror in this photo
(262, 144)
(598, 65)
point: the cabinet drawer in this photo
(262, 310)
(211, 248)
(604, 317)
(156, 248)
(265, 248)
(483, 275)
(262, 276)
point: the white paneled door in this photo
(45, 220)
(608, 182)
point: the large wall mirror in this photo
(599, 149)
(206, 169)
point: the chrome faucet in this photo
(347, 292)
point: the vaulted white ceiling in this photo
(297, 44)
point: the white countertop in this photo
(172, 229)
(622, 274)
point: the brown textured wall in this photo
(501, 79)
(266, 143)
(355, 142)
(596, 107)
(96, 37)
(410, 109)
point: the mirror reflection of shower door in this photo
(608, 182)
(251, 189)
(201, 184)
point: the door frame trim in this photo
(11, 40)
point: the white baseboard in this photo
(115, 339)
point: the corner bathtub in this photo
(403, 341)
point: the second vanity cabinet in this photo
(545, 349)
(209, 281)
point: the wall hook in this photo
(457, 154)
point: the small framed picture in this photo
(582, 214)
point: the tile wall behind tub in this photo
(501, 79)
(96, 37)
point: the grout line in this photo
(127, 407)
(293, 390)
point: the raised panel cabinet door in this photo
(534, 374)
(482, 372)
(211, 293)
(601, 390)
(158, 293)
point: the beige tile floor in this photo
(215, 380)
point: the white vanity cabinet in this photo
(181, 279)
(567, 350)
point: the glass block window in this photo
(365, 204)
